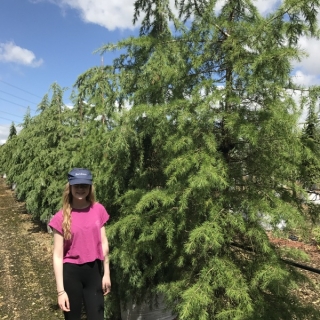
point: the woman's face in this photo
(80, 191)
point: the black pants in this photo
(83, 282)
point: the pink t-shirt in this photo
(85, 243)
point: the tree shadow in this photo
(38, 227)
(54, 307)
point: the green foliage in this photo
(12, 131)
(37, 164)
(192, 136)
(210, 144)
(316, 234)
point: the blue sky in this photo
(47, 41)
(41, 43)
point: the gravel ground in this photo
(27, 285)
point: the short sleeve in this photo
(104, 216)
(56, 222)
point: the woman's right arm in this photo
(63, 299)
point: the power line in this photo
(11, 85)
(8, 119)
(20, 105)
(11, 114)
(18, 97)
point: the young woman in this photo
(80, 252)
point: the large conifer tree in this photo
(209, 148)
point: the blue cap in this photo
(79, 176)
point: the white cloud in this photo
(10, 52)
(4, 133)
(304, 79)
(310, 63)
(110, 14)
(5, 130)
(266, 6)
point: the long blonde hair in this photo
(66, 208)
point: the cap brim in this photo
(80, 181)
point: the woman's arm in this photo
(106, 282)
(63, 300)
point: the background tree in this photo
(27, 118)
(310, 138)
(39, 161)
(12, 131)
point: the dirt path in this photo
(27, 286)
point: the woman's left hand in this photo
(106, 284)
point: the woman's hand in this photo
(63, 302)
(106, 284)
